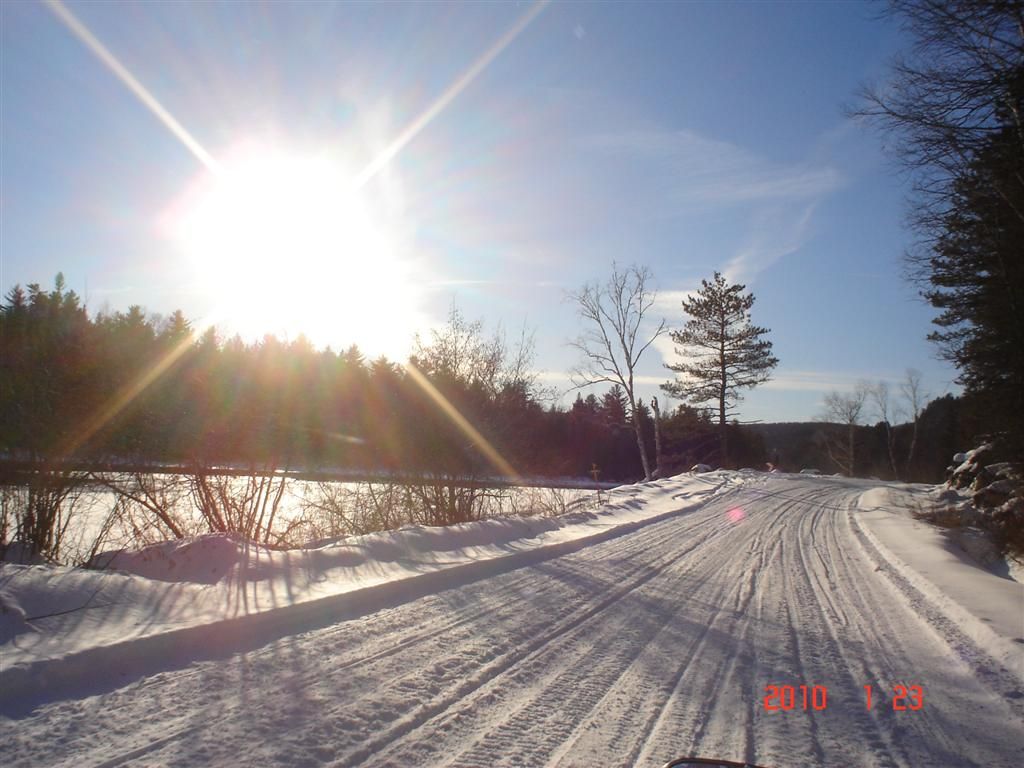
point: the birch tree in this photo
(845, 409)
(613, 340)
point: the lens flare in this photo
(736, 514)
(463, 424)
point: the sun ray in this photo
(498, 461)
(123, 398)
(449, 94)
(111, 62)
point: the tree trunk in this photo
(723, 438)
(640, 439)
(890, 444)
(913, 448)
(852, 438)
(657, 436)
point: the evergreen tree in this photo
(955, 106)
(977, 282)
(614, 407)
(723, 352)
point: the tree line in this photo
(127, 386)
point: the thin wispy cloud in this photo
(686, 173)
(456, 282)
(565, 379)
(786, 380)
(776, 233)
(823, 381)
(711, 172)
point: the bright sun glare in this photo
(285, 244)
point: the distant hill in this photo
(792, 445)
(947, 425)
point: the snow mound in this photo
(201, 560)
(217, 557)
(13, 620)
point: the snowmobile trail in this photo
(627, 652)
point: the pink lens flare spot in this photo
(736, 514)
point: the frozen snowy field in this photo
(647, 630)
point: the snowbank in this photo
(215, 594)
(987, 608)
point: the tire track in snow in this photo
(730, 705)
(828, 663)
(689, 714)
(410, 676)
(499, 666)
(562, 701)
(958, 677)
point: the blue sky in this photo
(508, 164)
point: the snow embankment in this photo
(174, 602)
(987, 608)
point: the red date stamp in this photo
(904, 697)
(787, 698)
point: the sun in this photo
(284, 243)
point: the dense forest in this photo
(130, 387)
(947, 425)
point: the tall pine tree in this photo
(722, 351)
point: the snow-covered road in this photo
(631, 651)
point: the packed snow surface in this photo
(642, 631)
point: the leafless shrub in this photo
(243, 504)
(450, 501)
(335, 509)
(550, 502)
(102, 537)
(37, 511)
(150, 504)
(942, 515)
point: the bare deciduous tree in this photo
(915, 397)
(612, 343)
(883, 407)
(845, 409)
(943, 101)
